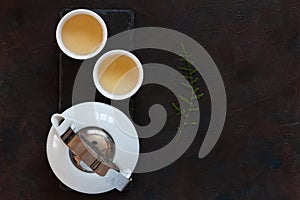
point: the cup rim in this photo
(114, 96)
(67, 17)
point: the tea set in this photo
(93, 147)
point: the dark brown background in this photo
(255, 44)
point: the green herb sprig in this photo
(190, 76)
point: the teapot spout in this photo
(61, 123)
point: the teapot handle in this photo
(61, 123)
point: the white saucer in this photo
(116, 124)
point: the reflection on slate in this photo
(116, 22)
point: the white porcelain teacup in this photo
(81, 34)
(118, 74)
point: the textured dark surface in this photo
(255, 44)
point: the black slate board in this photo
(116, 22)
